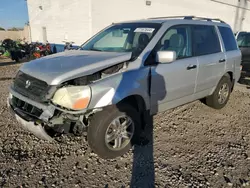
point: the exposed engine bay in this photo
(85, 80)
(66, 122)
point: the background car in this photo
(243, 40)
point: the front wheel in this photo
(113, 131)
(221, 94)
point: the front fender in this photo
(115, 88)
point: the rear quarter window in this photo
(228, 38)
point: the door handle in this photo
(222, 60)
(191, 67)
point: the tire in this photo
(213, 101)
(100, 125)
(16, 59)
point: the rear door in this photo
(208, 49)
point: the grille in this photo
(26, 107)
(30, 87)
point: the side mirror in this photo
(165, 56)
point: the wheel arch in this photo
(138, 102)
(231, 75)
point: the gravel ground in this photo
(191, 146)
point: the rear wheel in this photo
(16, 59)
(113, 131)
(221, 94)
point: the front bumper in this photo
(28, 122)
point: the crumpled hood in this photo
(60, 67)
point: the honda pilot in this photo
(124, 74)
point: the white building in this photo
(78, 20)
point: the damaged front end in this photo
(49, 111)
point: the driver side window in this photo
(178, 39)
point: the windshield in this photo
(127, 37)
(244, 40)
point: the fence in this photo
(15, 35)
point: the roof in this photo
(181, 20)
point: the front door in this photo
(174, 83)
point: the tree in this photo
(14, 29)
(2, 29)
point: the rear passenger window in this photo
(205, 40)
(228, 38)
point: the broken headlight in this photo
(73, 97)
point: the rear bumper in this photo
(27, 122)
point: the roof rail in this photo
(190, 18)
(208, 19)
(166, 17)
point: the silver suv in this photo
(124, 74)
